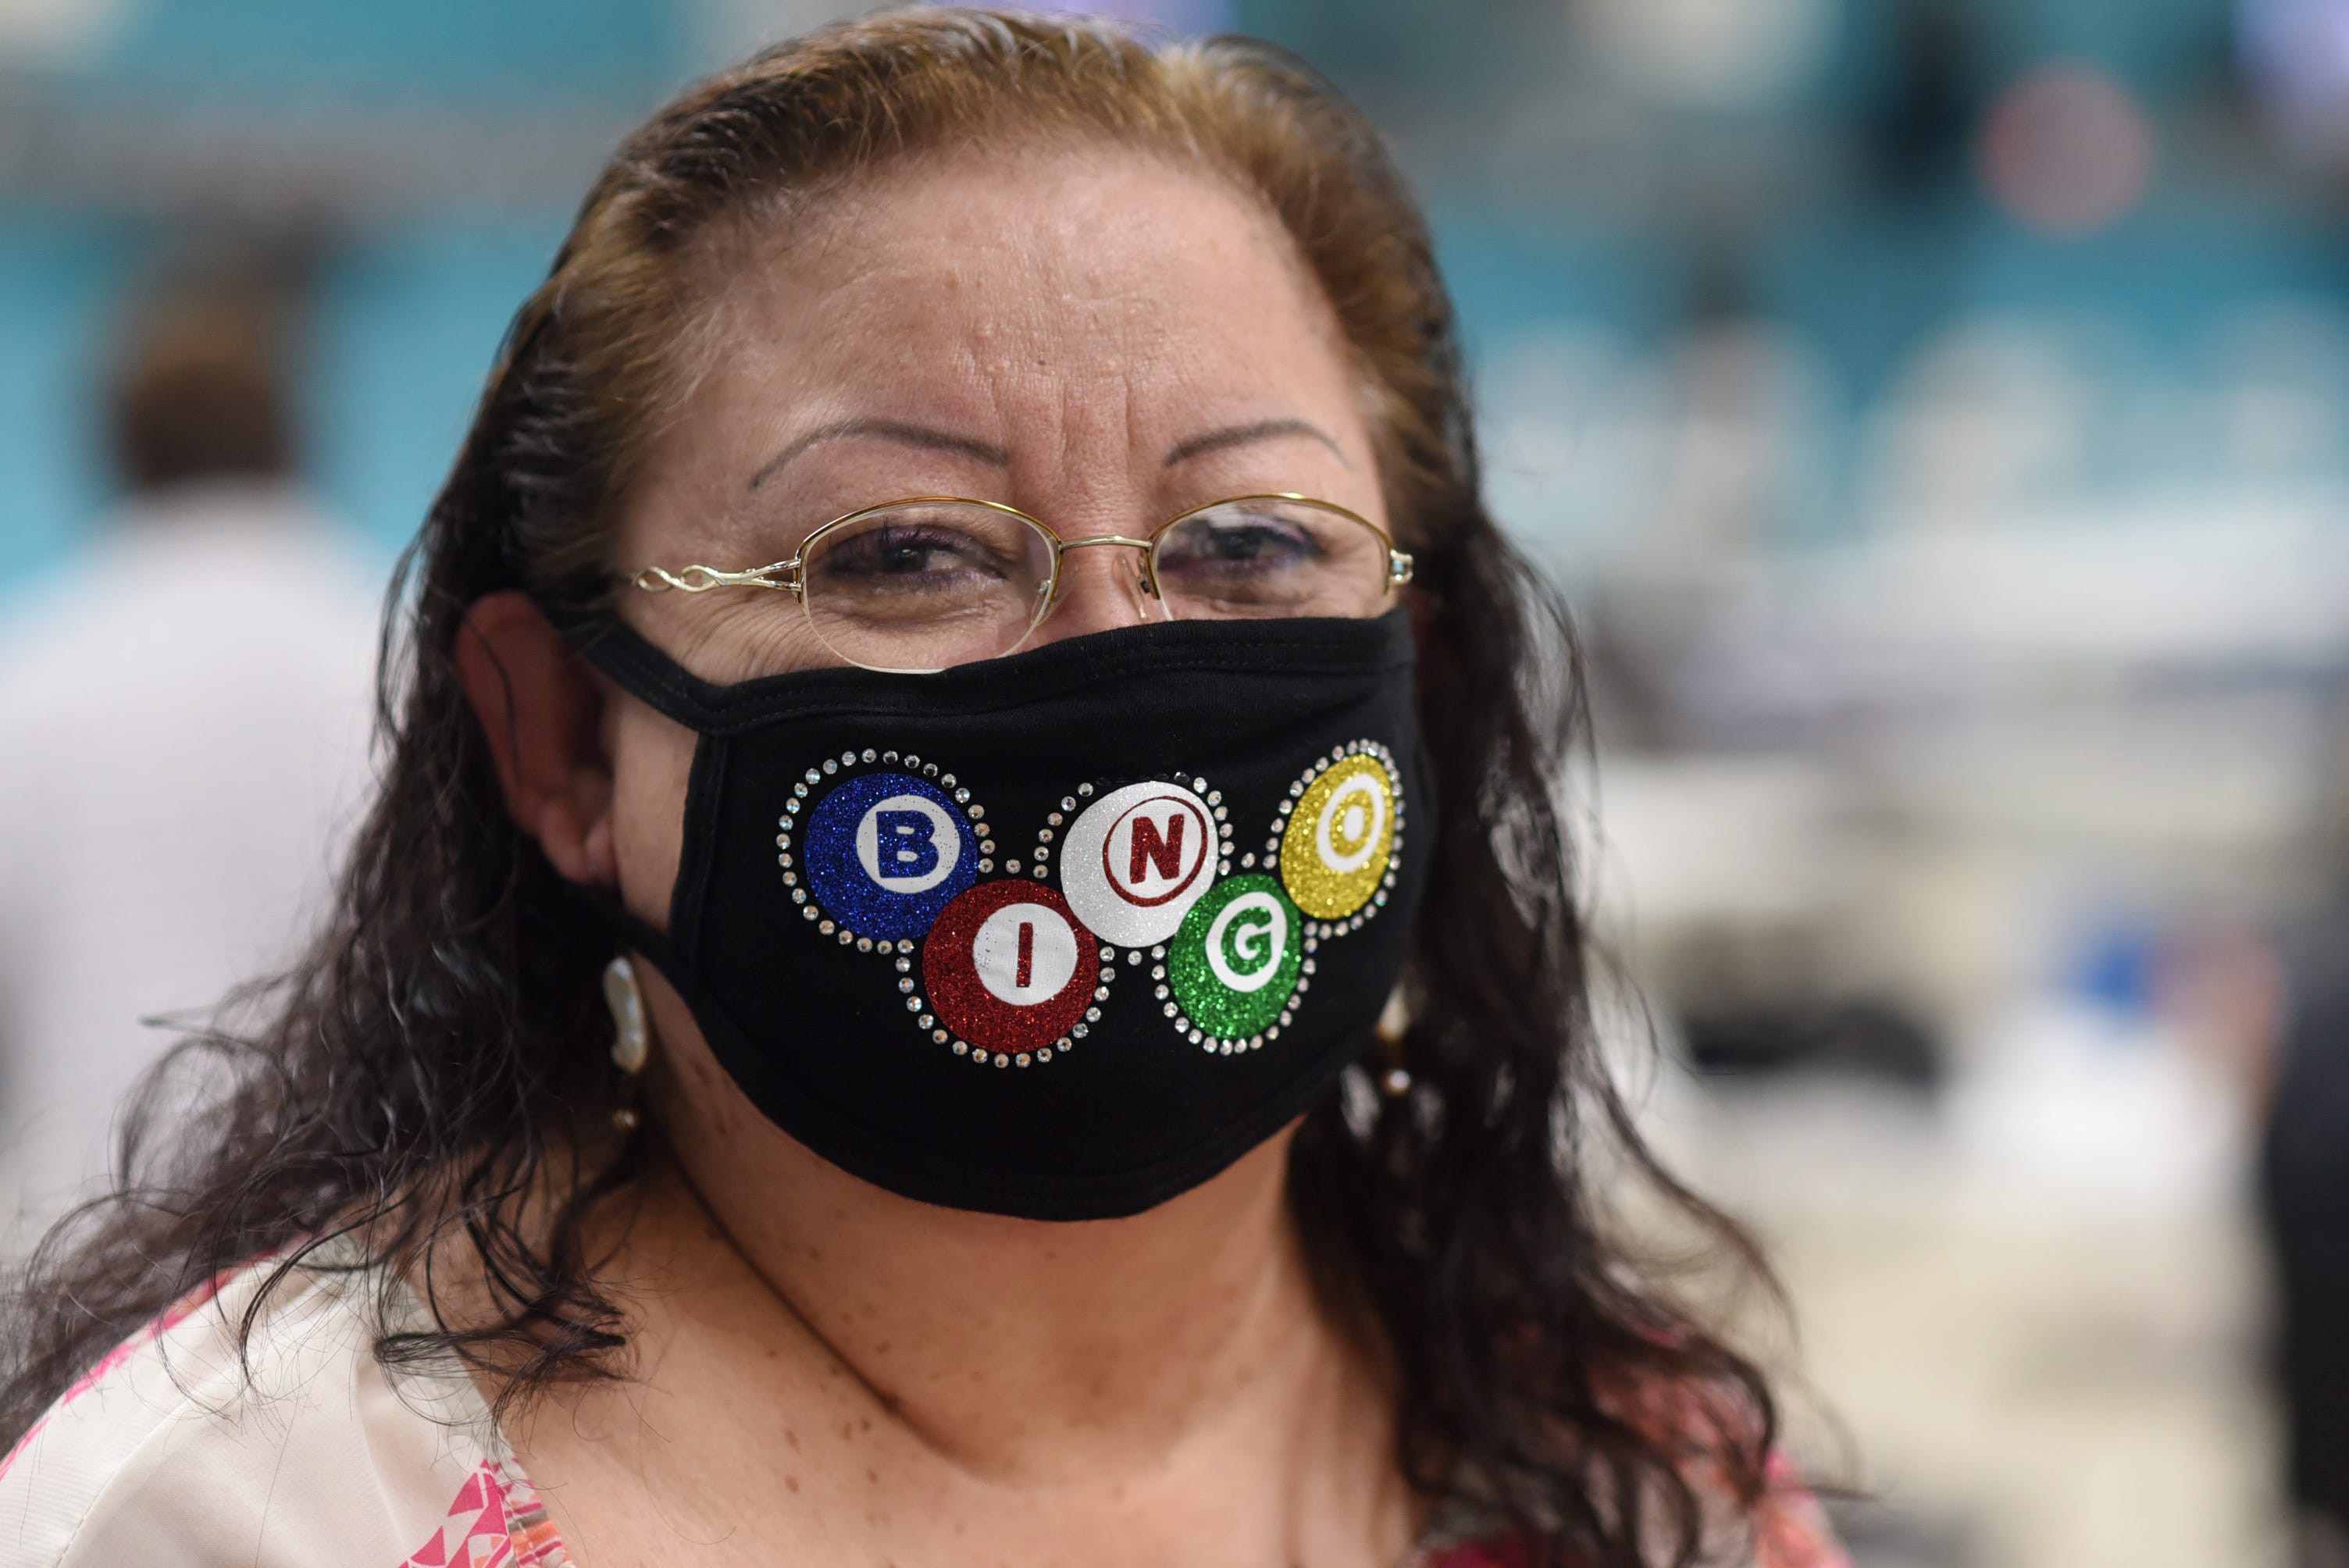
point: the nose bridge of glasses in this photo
(1149, 579)
(1149, 576)
(1104, 539)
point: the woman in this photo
(839, 1042)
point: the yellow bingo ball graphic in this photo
(1340, 838)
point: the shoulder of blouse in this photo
(184, 1449)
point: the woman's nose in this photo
(1101, 590)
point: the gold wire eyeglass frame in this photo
(791, 575)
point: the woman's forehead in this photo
(1083, 312)
(1062, 268)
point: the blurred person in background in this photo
(186, 711)
(814, 1060)
(2305, 1197)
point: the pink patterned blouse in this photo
(172, 1453)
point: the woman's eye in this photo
(903, 553)
(1229, 543)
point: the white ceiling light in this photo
(1712, 54)
(53, 32)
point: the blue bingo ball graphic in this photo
(886, 852)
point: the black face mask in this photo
(1057, 935)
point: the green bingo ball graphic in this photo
(1234, 961)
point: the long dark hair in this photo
(435, 1066)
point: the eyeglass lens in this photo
(927, 584)
(1267, 558)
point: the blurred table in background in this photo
(2018, 1369)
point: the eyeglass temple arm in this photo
(698, 579)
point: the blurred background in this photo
(1937, 412)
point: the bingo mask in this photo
(1060, 935)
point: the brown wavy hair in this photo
(437, 1062)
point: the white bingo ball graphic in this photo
(1135, 861)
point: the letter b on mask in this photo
(907, 853)
(907, 844)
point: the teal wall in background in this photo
(406, 329)
(629, 51)
(60, 276)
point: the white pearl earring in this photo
(631, 1039)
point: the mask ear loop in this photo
(631, 1038)
(1395, 1022)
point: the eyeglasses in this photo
(922, 585)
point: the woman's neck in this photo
(820, 1366)
(1020, 1351)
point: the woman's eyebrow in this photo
(1260, 430)
(923, 436)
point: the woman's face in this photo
(1097, 336)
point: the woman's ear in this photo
(543, 710)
